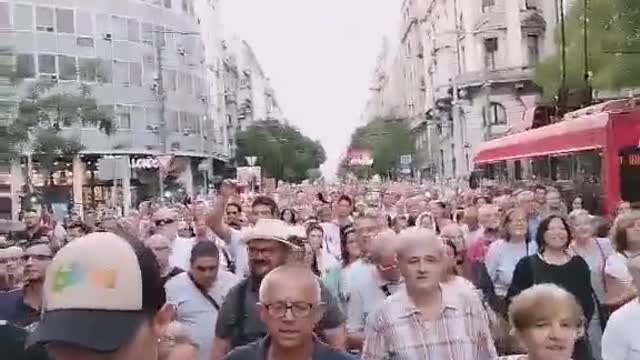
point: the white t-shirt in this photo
(501, 260)
(238, 250)
(332, 239)
(195, 311)
(181, 252)
(616, 267)
(620, 339)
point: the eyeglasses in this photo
(164, 222)
(299, 309)
(261, 251)
(39, 257)
(232, 213)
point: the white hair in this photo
(293, 274)
(415, 235)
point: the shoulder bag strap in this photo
(206, 295)
(604, 263)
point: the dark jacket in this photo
(259, 351)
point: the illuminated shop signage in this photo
(145, 163)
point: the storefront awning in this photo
(581, 134)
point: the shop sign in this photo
(145, 163)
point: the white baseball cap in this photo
(98, 291)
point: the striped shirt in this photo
(397, 331)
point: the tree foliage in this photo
(387, 139)
(42, 115)
(613, 48)
(282, 151)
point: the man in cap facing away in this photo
(103, 299)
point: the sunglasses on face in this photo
(164, 222)
(39, 257)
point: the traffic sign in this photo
(406, 159)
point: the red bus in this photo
(593, 153)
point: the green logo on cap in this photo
(66, 276)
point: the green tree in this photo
(43, 114)
(387, 139)
(613, 49)
(282, 151)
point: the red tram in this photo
(593, 152)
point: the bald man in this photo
(290, 305)
(382, 279)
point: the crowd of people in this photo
(374, 271)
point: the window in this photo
(147, 33)
(185, 5)
(47, 64)
(173, 121)
(85, 23)
(532, 4)
(487, 4)
(188, 84)
(88, 69)
(103, 24)
(454, 164)
(533, 49)
(120, 73)
(104, 71)
(83, 41)
(490, 52)
(151, 116)
(67, 66)
(120, 31)
(169, 80)
(22, 17)
(133, 30)
(135, 74)
(25, 66)
(123, 117)
(64, 21)
(167, 4)
(44, 19)
(496, 114)
(5, 20)
(160, 36)
(108, 111)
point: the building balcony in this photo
(505, 75)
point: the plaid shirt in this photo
(397, 331)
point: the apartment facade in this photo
(147, 65)
(248, 94)
(476, 67)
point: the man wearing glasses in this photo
(166, 223)
(382, 280)
(290, 304)
(239, 323)
(22, 306)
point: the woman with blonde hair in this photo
(547, 320)
(625, 237)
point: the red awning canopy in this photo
(584, 133)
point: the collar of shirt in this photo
(449, 301)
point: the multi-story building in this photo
(476, 71)
(249, 96)
(8, 107)
(482, 57)
(147, 65)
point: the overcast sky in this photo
(320, 56)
